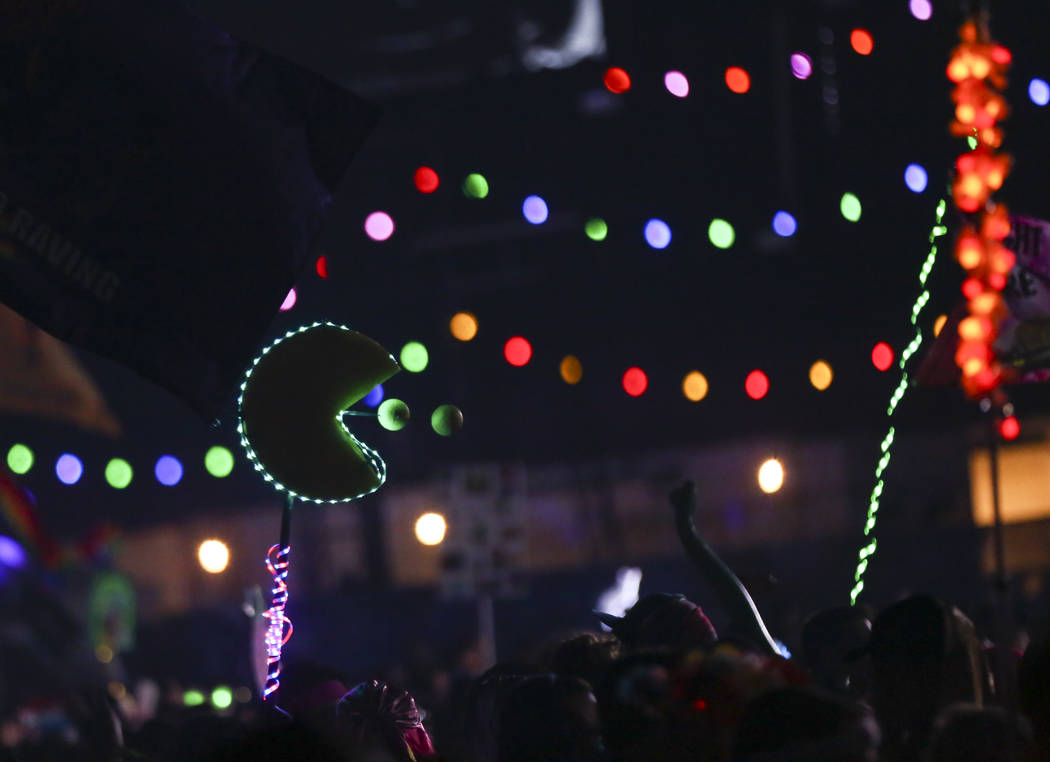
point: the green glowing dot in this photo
(393, 415)
(972, 142)
(221, 697)
(596, 229)
(192, 698)
(218, 461)
(118, 473)
(414, 357)
(721, 233)
(19, 459)
(475, 186)
(446, 420)
(850, 207)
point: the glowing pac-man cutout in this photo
(292, 409)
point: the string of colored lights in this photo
(886, 448)
(280, 627)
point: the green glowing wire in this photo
(886, 447)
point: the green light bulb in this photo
(446, 420)
(475, 186)
(19, 459)
(218, 461)
(414, 357)
(393, 415)
(221, 697)
(118, 473)
(850, 207)
(596, 229)
(721, 233)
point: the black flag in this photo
(161, 184)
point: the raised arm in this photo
(732, 594)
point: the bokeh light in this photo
(756, 385)
(192, 698)
(118, 473)
(475, 186)
(222, 697)
(213, 556)
(596, 229)
(850, 207)
(464, 326)
(1010, 428)
(820, 375)
(571, 369)
(289, 300)
(771, 476)
(535, 210)
(657, 234)
(737, 79)
(676, 84)
(414, 357)
(921, 9)
(915, 178)
(322, 267)
(694, 386)
(426, 180)
(68, 468)
(801, 65)
(12, 555)
(218, 461)
(882, 356)
(517, 351)
(379, 226)
(617, 80)
(19, 459)
(721, 233)
(394, 414)
(862, 41)
(938, 325)
(635, 382)
(168, 470)
(784, 224)
(374, 397)
(1039, 91)
(446, 420)
(430, 528)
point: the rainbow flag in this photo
(19, 513)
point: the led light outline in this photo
(372, 456)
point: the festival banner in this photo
(161, 184)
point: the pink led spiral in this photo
(276, 634)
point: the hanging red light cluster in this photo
(978, 68)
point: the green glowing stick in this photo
(898, 394)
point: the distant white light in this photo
(430, 528)
(771, 476)
(214, 556)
